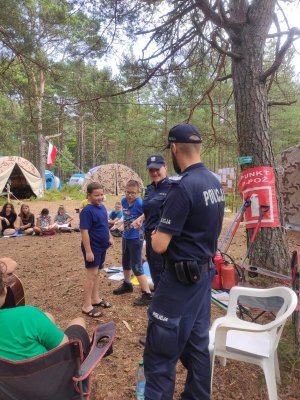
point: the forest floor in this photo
(51, 270)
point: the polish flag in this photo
(51, 154)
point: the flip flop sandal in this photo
(93, 313)
(103, 303)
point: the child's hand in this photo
(137, 223)
(89, 256)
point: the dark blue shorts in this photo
(132, 255)
(99, 258)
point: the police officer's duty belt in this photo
(188, 271)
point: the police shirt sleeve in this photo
(175, 211)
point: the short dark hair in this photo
(45, 211)
(93, 186)
(132, 183)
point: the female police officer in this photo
(187, 234)
(152, 203)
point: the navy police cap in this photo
(156, 161)
(183, 133)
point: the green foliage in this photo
(72, 192)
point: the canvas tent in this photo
(113, 177)
(94, 169)
(288, 166)
(23, 178)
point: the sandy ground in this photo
(51, 269)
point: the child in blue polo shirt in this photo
(132, 245)
(96, 239)
(115, 220)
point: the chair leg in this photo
(269, 371)
(212, 365)
(277, 370)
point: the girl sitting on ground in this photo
(62, 218)
(25, 220)
(8, 218)
(44, 223)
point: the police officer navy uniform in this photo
(154, 198)
(179, 315)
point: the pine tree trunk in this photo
(271, 248)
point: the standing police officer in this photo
(187, 234)
(154, 198)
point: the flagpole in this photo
(70, 162)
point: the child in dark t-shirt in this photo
(96, 239)
(26, 220)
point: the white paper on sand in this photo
(119, 276)
(222, 297)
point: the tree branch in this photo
(220, 19)
(281, 53)
(215, 45)
(281, 103)
(209, 89)
(224, 78)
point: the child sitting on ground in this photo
(115, 220)
(44, 224)
(62, 220)
(25, 220)
(8, 218)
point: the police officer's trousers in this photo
(179, 319)
(155, 261)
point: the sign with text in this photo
(245, 160)
(258, 185)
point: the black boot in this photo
(124, 288)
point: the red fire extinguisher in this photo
(227, 276)
(218, 261)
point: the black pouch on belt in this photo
(180, 272)
(193, 271)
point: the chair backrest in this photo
(280, 299)
(274, 328)
(45, 377)
(284, 300)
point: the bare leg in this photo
(95, 293)
(127, 275)
(143, 281)
(89, 288)
(9, 231)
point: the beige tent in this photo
(20, 177)
(113, 177)
(289, 172)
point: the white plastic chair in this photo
(231, 337)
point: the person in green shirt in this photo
(27, 332)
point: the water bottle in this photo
(140, 381)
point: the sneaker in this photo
(144, 300)
(124, 288)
